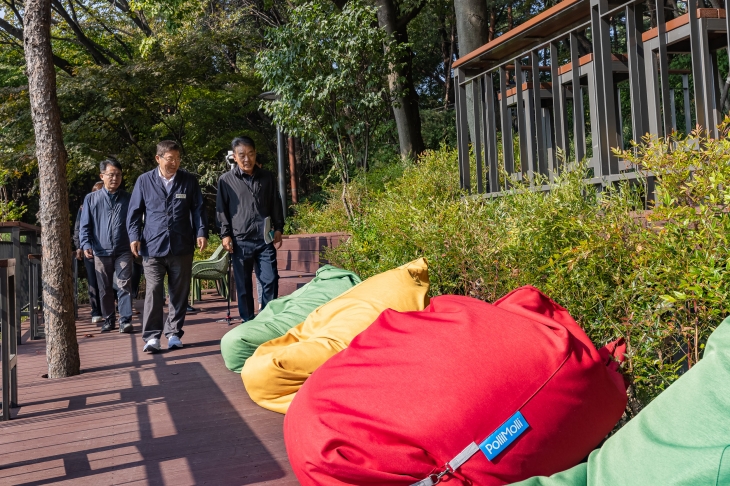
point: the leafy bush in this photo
(214, 241)
(659, 279)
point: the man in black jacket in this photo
(103, 235)
(247, 197)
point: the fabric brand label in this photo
(180, 196)
(505, 434)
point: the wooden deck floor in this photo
(173, 418)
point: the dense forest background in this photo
(132, 73)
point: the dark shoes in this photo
(107, 327)
(124, 327)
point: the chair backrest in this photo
(222, 263)
(217, 254)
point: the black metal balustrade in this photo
(517, 106)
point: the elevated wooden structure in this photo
(531, 83)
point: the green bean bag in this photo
(282, 314)
(681, 438)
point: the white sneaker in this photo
(173, 342)
(151, 346)
(96, 319)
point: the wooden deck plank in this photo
(177, 417)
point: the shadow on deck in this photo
(177, 417)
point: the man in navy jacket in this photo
(165, 217)
(103, 237)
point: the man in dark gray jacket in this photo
(103, 235)
(247, 197)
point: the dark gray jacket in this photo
(103, 225)
(244, 202)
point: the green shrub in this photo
(658, 279)
(214, 241)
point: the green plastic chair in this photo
(214, 268)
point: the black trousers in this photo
(249, 256)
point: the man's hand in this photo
(277, 239)
(79, 254)
(89, 253)
(202, 243)
(228, 244)
(135, 248)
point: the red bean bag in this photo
(519, 379)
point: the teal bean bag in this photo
(282, 314)
(681, 438)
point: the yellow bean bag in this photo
(278, 368)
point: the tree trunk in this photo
(62, 349)
(472, 29)
(448, 55)
(472, 24)
(400, 81)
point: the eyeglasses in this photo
(171, 160)
(112, 175)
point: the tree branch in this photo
(91, 14)
(405, 19)
(89, 45)
(136, 17)
(16, 32)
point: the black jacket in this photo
(103, 223)
(244, 202)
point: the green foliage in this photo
(214, 241)
(10, 211)
(191, 80)
(659, 279)
(327, 68)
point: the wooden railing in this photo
(531, 93)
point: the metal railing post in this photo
(462, 130)
(604, 87)
(477, 142)
(637, 77)
(579, 123)
(490, 133)
(541, 156)
(525, 159)
(34, 272)
(10, 327)
(506, 122)
(561, 136)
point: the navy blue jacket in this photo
(166, 224)
(103, 222)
